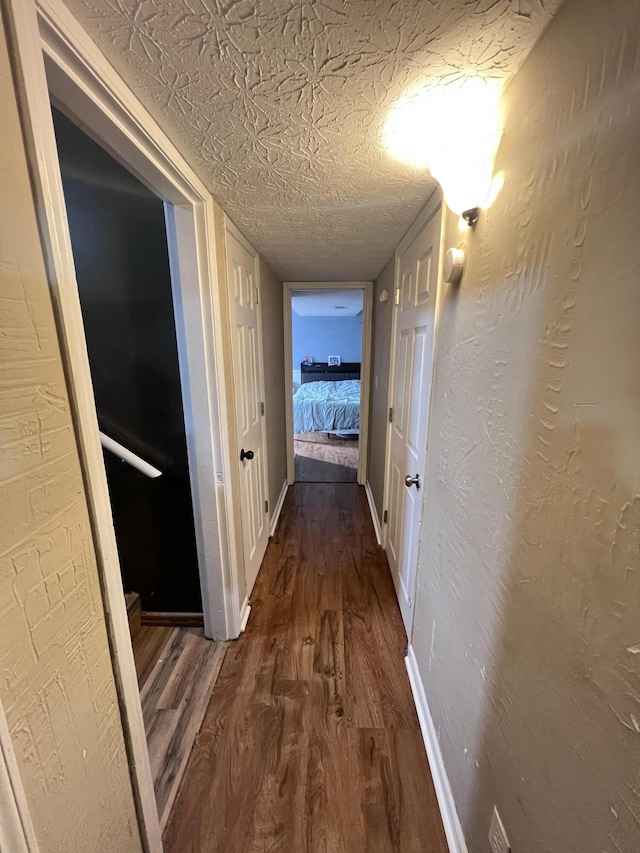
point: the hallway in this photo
(311, 740)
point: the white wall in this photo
(527, 613)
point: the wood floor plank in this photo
(378, 692)
(328, 657)
(421, 828)
(378, 689)
(310, 743)
(190, 711)
(303, 620)
(191, 662)
(281, 814)
(148, 645)
(385, 763)
(377, 799)
(161, 672)
(328, 788)
(174, 699)
(231, 762)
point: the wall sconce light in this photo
(453, 130)
(471, 216)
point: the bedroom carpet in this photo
(320, 459)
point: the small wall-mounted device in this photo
(453, 266)
(384, 296)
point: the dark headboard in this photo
(320, 371)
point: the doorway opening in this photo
(326, 338)
(119, 239)
(121, 255)
(327, 347)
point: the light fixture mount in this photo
(471, 216)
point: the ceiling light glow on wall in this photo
(454, 130)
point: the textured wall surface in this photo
(280, 104)
(527, 630)
(381, 345)
(56, 681)
(273, 351)
(321, 337)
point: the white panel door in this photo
(416, 282)
(248, 382)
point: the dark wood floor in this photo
(310, 743)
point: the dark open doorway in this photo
(119, 241)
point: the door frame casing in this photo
(97, 98)
(365, 366)
(88, 89)
(234, 231)
(435, 206)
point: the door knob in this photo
(412, 481)
(246, 454)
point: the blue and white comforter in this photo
(325, 406)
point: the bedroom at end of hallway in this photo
(325, 340)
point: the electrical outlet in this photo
(497, 835)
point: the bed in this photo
(328, 399)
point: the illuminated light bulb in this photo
(454, 130)
(496, 185)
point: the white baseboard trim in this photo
(448, 812)
(245, 612)
(374, 512)
(275, 518)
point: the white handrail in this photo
(127, 456)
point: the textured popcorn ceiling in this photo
(279, 105)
